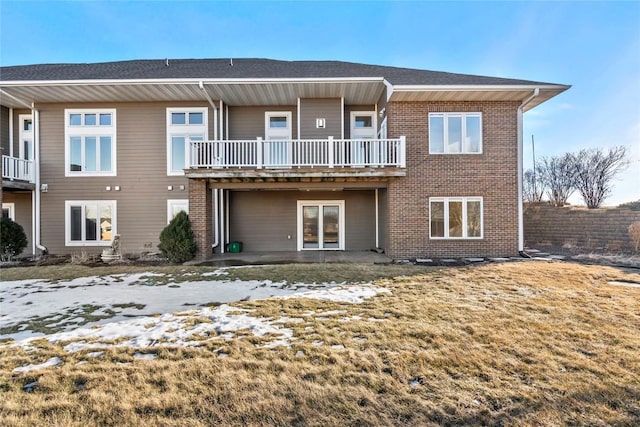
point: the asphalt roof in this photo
(244, 68)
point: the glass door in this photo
(321, 225)
(363, 129)
(277, 135)
(26, 136)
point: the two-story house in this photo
(280, 155)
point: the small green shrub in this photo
(12, 239)
(177, 242)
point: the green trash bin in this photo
(234, 247)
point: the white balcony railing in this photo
(17, 169)
(299, 153)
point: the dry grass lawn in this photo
(523, 343)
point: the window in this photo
(90, 223)
(455, 217)
(90, 148)
(183, 126)
(9, 211)
(455, 133)
(176, 205)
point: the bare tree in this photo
(595, 171)
(532, 190)
(558, 176)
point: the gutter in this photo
(521, 107)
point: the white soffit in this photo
(471, 94)
(232, 93)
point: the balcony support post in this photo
(330, 152)
(259, 154)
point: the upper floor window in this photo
(455, 217)
(455, 133)
(183, 126)
(90, 142)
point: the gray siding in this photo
(263, 220)
(328, 109)
(248, 122)
(347, 116)
(22, 201)
(4, 130)
(141, 175)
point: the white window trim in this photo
(84, 131)
(341, 223)
(186, 130)
(171, 203)
(11, 207)
(67, 221)
(464, 128)
(464, 201)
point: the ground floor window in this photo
(455, 218)
(9, 211)
(321, 225)
(176, 205)
(90, 222)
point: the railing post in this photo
(403, 149)
(330, 152)
(259, 153)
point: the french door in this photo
(321, 225)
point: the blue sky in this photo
(593, 46)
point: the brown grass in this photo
(530, 343)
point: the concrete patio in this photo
(259, 258)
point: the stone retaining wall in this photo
(579, 227)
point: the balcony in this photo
(298, 158)
(17, 173)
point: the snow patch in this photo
(54, 361)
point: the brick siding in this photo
(200, 216)
(491, 175)
(579, 227)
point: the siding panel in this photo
(262, 220)
(248, 122)
(141, 175)
(328, 109)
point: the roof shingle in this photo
(247, 68)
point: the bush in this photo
(177, 242)
(634, 234)
(634, 206)
(12, 239)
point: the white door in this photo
(363, 130)
(320, 225)
(26, 136)
(277, 133)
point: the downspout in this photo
(36, 170)
(215, 218)
(535, 93)
(377, 200)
